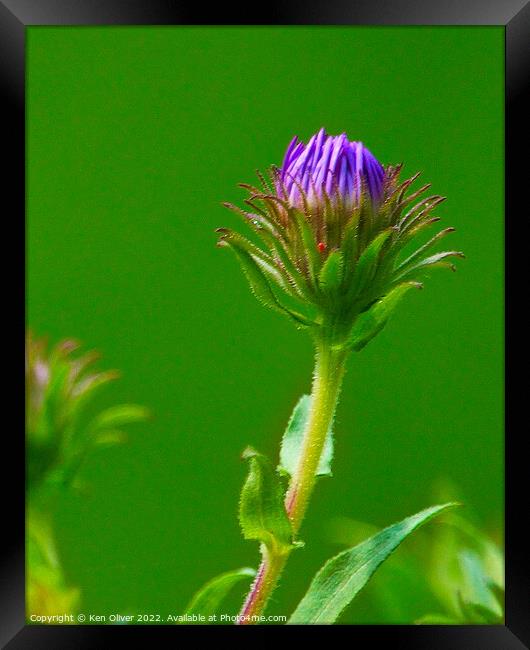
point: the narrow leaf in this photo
(262, 513)
(117, 416)
(372, 321)
(293, 439)
(209, 597)
(342, 577)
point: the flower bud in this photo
(59, 385)
(333, 225)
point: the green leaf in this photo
(330, 275)
(293, 438)
(210, 596)
(342, 577)
(117, 416)
(262, 513)
(372, 321)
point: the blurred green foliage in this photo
(60, 384)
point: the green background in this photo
(135, 136)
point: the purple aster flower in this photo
(332, 165)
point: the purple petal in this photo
(330, 163)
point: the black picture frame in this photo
(514, 16)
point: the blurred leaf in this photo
(342, 577)
(437, 619)
(491, 556)
(46, 595)
(46, 590)
(261, 511)
(478, 613)
(475, 595)
(293, 439)
(466, 572)
(109, 438)
(86, 388)
(372, 321)
(117, 416)
(499, 594)
(60, 383)
(209, 597)
(39, 537)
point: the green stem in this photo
(327, 381)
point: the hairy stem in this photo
(327, 380)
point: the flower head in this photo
(329, 165)
(333, 225)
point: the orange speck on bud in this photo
(321, 246)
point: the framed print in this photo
(268, 271)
